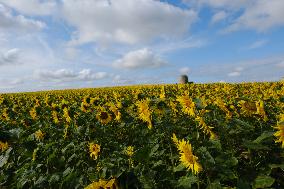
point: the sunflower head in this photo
(279, 134)
(94, 150)
(3, 146)
(129, 151)
(103, 116)
(39, 135)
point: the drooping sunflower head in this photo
(188, 105)
(187, 158)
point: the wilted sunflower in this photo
(94, 150)
(186, 156)
(103, 116)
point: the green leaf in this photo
(187, 181)
(214, 185)
(204, 154)
(70, 145)
(263, 136)
(104, 172)
(40, 180)
(158, 163)
(15, 133)
(273, 166)
(67, 171)
(54, 178)
(233, 161)
(71, 158)
(216, 144)
(4, 158)
(179, 168)
(255, 146)
(263, 181)
(153, 150)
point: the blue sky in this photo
(58, 44)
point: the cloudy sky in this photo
(56, 44)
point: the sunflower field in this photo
(152, 136)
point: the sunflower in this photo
(5, 115)
(144, 112)
(39, 135)
(55, 117)
(103, 116)
(162, 94)
(116, 111)
(188, 106)
(280, 133)
(260, 110)
(33, 113)
(223, 107)
(3, 146)
(186, 156)
(207, 130)
(94, 150)
(247, 108)
(102, 184)
(129, 151)
(66, 115)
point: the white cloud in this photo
(228, 4)
(234, 74)
(258, 44)
(218, 17)
(65, 75)
(125, 21)
(32, 7)
(9, 57)
(138, 59)
(184, 70)
(259, 15)
(17, 23)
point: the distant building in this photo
(183, 79)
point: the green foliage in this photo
(242, 155)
